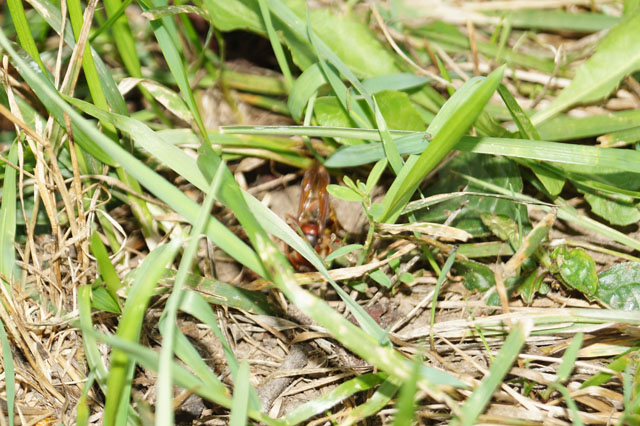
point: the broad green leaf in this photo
(496, 170)
(235, 15)
(617, 55)
(531, 285)
(577, 269)
(619, 286)
(303, 88)
(381, 278)
(406, 277)
(396, 108)
(329, 112)
(502, 227)
(616, 212)
(165, 96)
(101, 299)
(477, 276)
(342, 251)
(343, 193)
(353, 42)
(399, 81)
(451, 123)
(398, 111)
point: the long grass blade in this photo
(476, 403)
(164, 412)
(453, 121)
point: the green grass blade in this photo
(375, 403)
(275, 43)
(303, 89)
(476, 403)
(147, 276)
(82, 407)
(184, 165)
(390, 148)
(330, 399)
(122, 35)
(405, 404)
(551, 182)
(9, 374)
(166, 34)
(595, 158)
(8, 219)
(569, 358)
(105, 267)
(240, 402)
(36, 79)
(559, 20)
(195, 305)
(164, 410)
(221, 293)
(24, 31)
(617, 55)
(92, 353)
(441, 277)
(150, 359)
(451, 123)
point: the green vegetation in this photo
(478, 261)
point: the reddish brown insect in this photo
(313, 214)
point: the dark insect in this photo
(313, 214)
